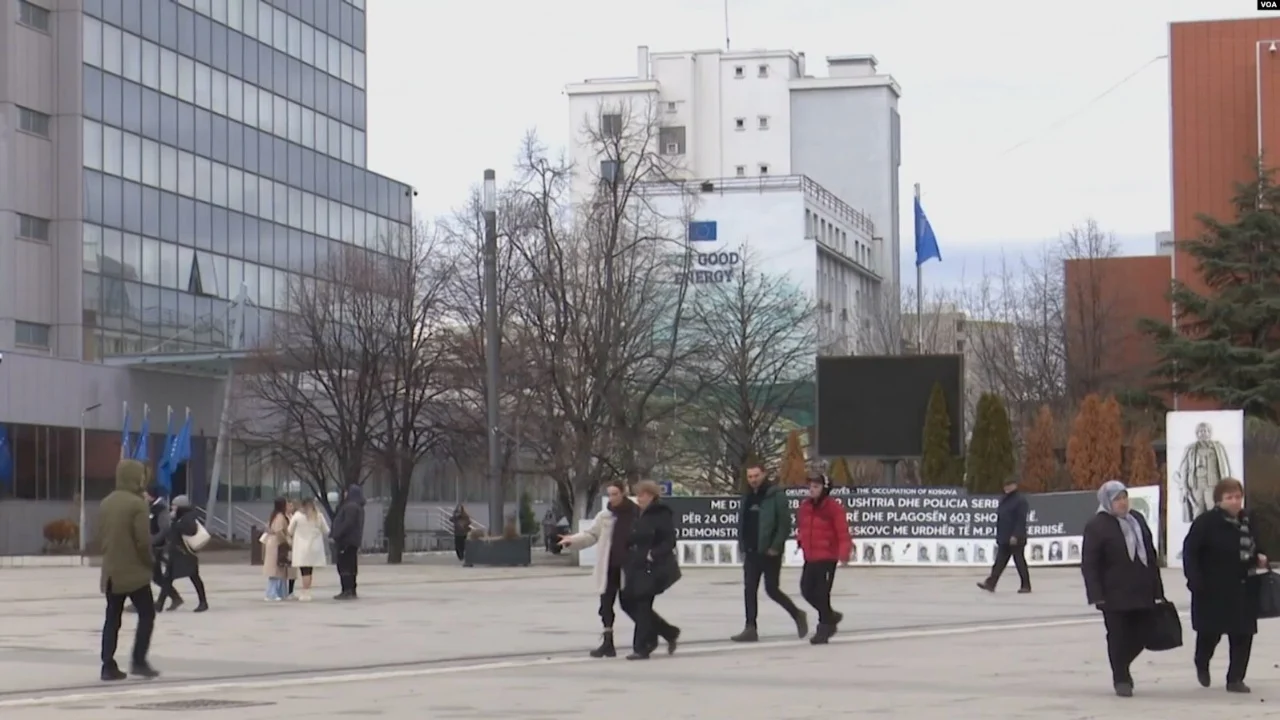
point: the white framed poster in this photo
(1203, 448)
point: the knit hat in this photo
(181, 502)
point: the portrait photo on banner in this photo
(1202, 449)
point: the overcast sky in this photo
(454, 86)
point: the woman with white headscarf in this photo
(1121, 578)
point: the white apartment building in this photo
(759, 113)
(787, 225)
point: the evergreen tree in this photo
(1226, 346)
(1039, 465)
(839, 472)
(990, 458)
(1142, 461)
(936, 462)
(794, 470)
(1095, 449)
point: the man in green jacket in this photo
(763, 528)
(124, 532)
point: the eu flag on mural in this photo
(6, 458)
(702, 231)
(926, 241)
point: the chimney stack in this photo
(642, 62)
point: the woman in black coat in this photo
(182, 562)
(1221, 560)
(650, 569)
(1121, 578)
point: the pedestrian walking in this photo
(159, 520)
(181, 561)
(347, 534)
(308, 531)
(275, 552)
(610, 533)
(1222, 562)
(822, 532)
(1122, 579)
(650, 569)
(764, 525)
(461, 522)
(1011, 538)
(127, 559)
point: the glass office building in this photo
(156, 157)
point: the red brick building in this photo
(1104, 300)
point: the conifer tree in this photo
(936, 462)
(1142, 461)
(839, 473)
(794, 470)
(990, 461)
(1225, 345)
(1039, 465)
(1094, 450)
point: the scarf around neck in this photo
(1134, 542)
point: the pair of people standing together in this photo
(1222, 563)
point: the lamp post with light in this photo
(80, 530)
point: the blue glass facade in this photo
(224, 147)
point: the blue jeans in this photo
(277, 588)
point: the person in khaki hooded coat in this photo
(124, 534)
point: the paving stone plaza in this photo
(430, 640)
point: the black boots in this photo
(111, 672)
(822, 634)
(802, 624)
(748, 634)
(606, 648)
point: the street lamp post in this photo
(80, 530)
(497, 513)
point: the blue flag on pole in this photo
(125, 441)
(926, 241)
(6, 458)
(184, 442)
(143, 450)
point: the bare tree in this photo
(314, 400)
(1092, 331)
(760, 332)
(415, 393)
(604, 314)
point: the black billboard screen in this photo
(872, 406)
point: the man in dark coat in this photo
(347, 533)
(1221, 560)
(159, 520)
(123, 532)
(1011, 538)
(764, 526)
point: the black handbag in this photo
(1166, 628)
(1268, 595)
(654, 578)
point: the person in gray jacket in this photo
(347, 533)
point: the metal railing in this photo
(243, 524)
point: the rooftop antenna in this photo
(726, 25)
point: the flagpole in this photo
(919, 289)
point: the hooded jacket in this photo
(124, 532)
(348, 523)
(822, 529)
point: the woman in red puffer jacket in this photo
(822, 532)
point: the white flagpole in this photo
(919, 289)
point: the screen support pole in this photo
(889, 472)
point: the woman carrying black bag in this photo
(651, 568)
(1122, 579)
(1221, 560)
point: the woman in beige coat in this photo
(608, 533)
(276, 536)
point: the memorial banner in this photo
(907, 526)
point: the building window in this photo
(671, 140)
(739, 123)
(764, 169)
(33, 228)
(739, 72)
(671, 107)
(741, 171)
(611, 126)
(764, 122)
(610, 171)
(33, 16)
(763, 71)
(36, 123)
(31, 334)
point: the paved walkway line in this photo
(141, 690)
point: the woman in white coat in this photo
(609, 534)
(308, 530)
